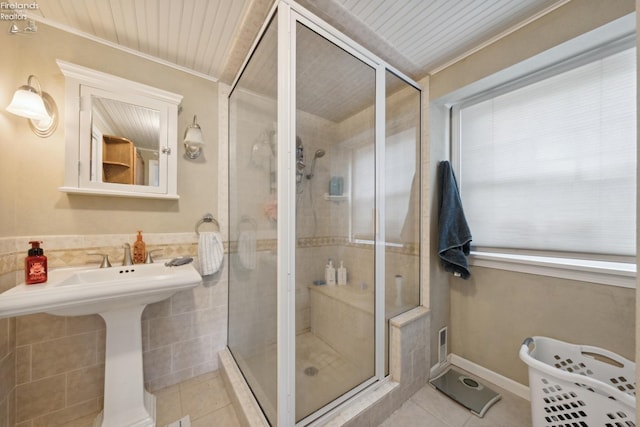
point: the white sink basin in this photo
(80, 291)
(118, 295)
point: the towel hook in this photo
(206, 218)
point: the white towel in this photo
(210, 252)
(247, 249)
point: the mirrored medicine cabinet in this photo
(121, 136)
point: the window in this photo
(400, 164)
(363, 192)
(550, 166)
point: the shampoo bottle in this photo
(342, 274)
(139, 250)
(330, 273)
(35, 265)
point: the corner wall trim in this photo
(508, 384)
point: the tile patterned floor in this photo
(203, 398)
(430, 408)
(207, 403)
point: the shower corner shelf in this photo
(340, 198)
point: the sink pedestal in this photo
(119, 295)
(126, 402)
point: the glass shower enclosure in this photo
(324, 215)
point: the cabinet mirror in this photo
(125, 143)
(121, 136)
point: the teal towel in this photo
(454, 235)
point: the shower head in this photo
(319, 153)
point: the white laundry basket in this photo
(578, 386)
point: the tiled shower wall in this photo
(58, 362)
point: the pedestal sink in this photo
(118, 295)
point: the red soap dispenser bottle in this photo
(35, 264)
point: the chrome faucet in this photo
(127, 255)
(149, 259)
(105, 259)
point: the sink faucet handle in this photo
(105, 259)
(127, 260)
(149, 259)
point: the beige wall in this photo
(32, 167)
(565, 23)
(495, 310)
(51, 368)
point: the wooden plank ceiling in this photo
(202, 35)
(212, 37)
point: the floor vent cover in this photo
(467, 391)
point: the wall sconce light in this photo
(193, 140)
(37, 106)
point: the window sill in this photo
(603, 272)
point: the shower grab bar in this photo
(207, 218)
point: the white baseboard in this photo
(438, 368)
(508, 384)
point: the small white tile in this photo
(410, 414)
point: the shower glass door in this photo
(335, 95)
(324, 179)
(252, 337)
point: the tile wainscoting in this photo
(58, 362)
(52, 368)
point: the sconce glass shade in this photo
(37, 106)
(193, 140)
(28, 103)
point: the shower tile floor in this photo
(330, 375)
(335, 374)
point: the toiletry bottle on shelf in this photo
(139, 250)
(35, 264)
(342, 274)
(330, 273)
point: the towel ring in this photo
(206, 218)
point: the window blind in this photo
(400, 168)
(551, 166)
